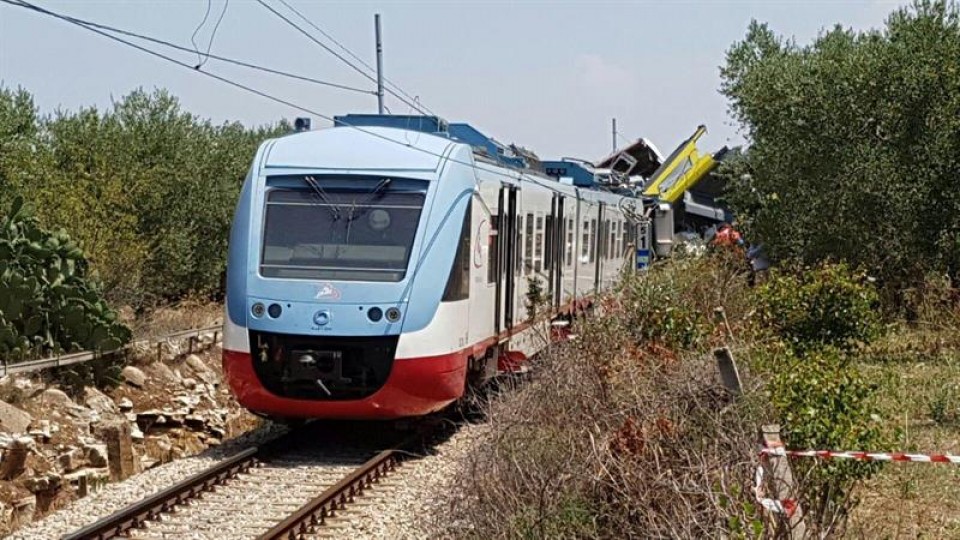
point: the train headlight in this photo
(274, 310)
(375, 314)
(258, 310)
(393, 315)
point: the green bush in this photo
(823, 402)
(853, 148)
(658, 305)
(145, 188)
(826, 305)
(49, 305)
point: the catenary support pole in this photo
(376, 22)
(614, 135)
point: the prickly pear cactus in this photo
(47, 304)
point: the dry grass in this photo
(578, 453)
(184, 315)
(626, 433)
(919, 370)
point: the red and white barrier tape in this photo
(789, 506)
(785, 506)
(861, 456)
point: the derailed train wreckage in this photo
(379, 267)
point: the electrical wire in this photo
(193, 37)
(86, 23)
(213, 35)
(339, 56)
(353, 55)
(515, 175)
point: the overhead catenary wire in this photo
(213, 35)
(353, 55)
(324, 46)
(241, 63)
(514, 175)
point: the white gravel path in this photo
(113, 497)
(405, 506)
(409, 503)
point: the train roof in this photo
(352, 148)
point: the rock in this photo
(159, 448)
(135, 432)
(44, 430)
(164, 373)
(118, 438)
(134, 376)
(125, 404)
(100, 402)
(88, 480)
(96, 454)
(56, 397)
(70, 459)
(46, 482)
(189, 383)
(195, 363)
(23, 510)
(201, 370)
(14, 419)
(190, 402)
(15, 458)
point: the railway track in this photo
(289, 488)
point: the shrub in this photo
(673, 303)
(49, 304)
(824, 402)
(145, 188)
(828, 304)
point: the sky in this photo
(549, 76)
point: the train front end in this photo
(334, 254)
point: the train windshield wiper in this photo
(318, 191)
(374, 194)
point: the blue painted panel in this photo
(581, 176)
(426, 124)
(341, 318)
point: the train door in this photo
(498, 228)
(599, 248)
(558, 234)
(508, 245)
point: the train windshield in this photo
(360, 230)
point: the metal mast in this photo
(614, 135)
(376, 22)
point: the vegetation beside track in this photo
(854, 144)
(626, 432)
(144, 188)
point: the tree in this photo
(146, 189)
(854, 143)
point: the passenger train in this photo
(377, 269)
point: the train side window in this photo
(549, 241)
(518, 244)
(593, 240)
(613, 239)
(570, 233)
(538, 246)
(585, 245)
(493, 243)
(528, 246)
(458, 283)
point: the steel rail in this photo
(315, 513)
(135, 515)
